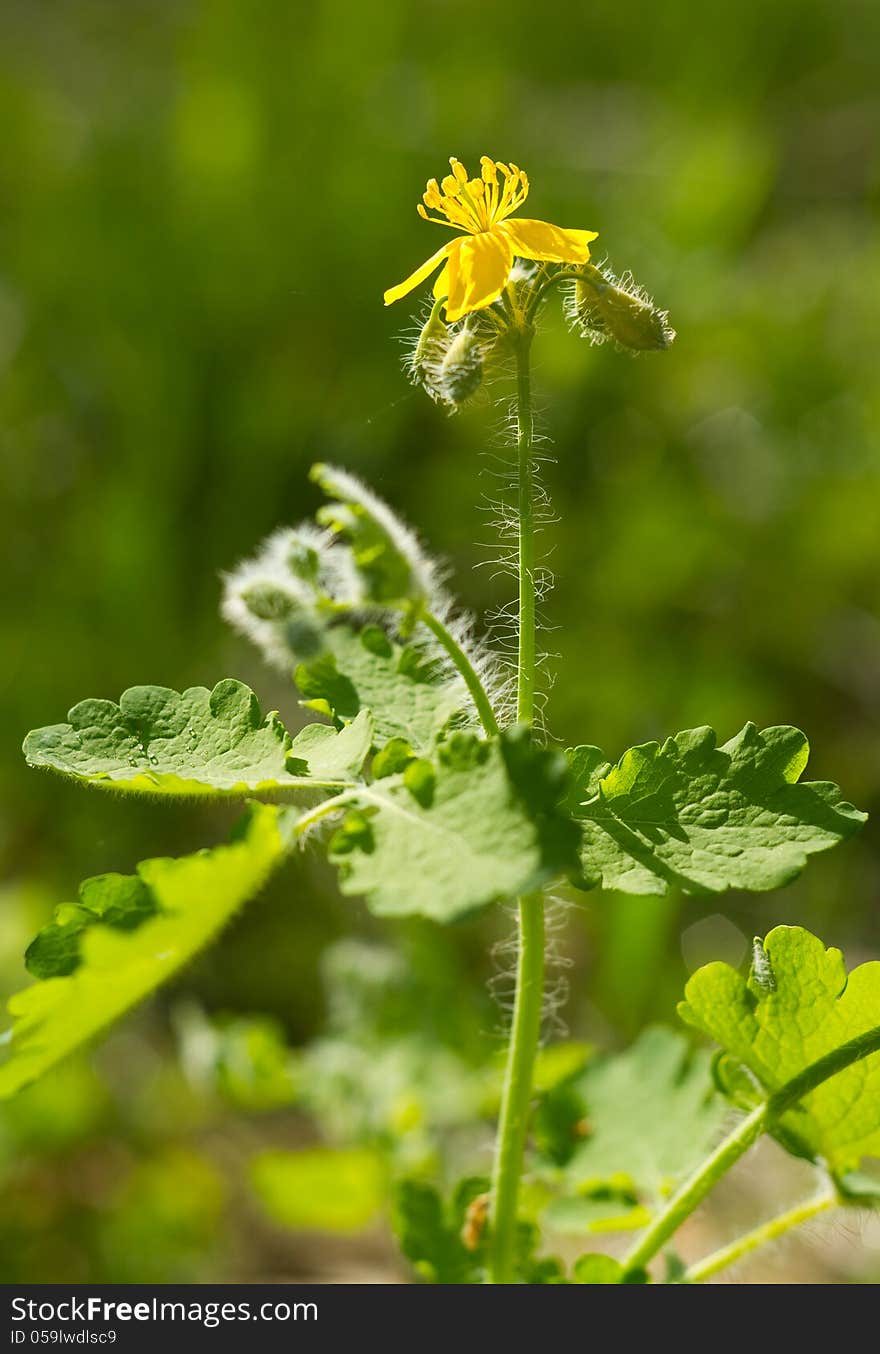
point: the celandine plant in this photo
(428, 780)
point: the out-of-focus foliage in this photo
(201, 206)
(101, 970)
(340, 1190)
(644, 1119)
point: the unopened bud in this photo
(461, 371)
(606, 307)
(428, 352)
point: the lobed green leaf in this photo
(477, 823)
(409, 697)
(703, 818)
(447, 1241)
(796, 1005)
(196, 743)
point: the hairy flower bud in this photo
(461, 371)
(605, 307)
(427, 355)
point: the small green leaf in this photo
(120, 901)
(430, 1235)
(192, 899)
(547, 1269)
(861, 1188)
(691, 815)
(395, 756)
(325, 754)
(604, 1269)
(478, 825)
(198, 742)
(447, 1243)
(649, 1116)
(558, 1063)
(322, 1188)
(771, 1030)
(410, 698)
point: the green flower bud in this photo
(430, 345)
(606, 307)
(461, 371)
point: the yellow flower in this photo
(477, 265)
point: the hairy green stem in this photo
(768, 1231)
(464, 666)
(692, 1193)
(525, 671)
(526, 1029)
(746, 1132)
(323, 810)
(517, 1094)
(585, 272)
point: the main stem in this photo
(525, 668)
(525, 1032)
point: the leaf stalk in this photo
(739, 1140)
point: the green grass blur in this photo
(200, 206)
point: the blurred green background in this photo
(200, 206)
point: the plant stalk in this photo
(694, 1190)
(517, 1093)
(768, 1231)
(465, 668)
(526, 1029)
(746, 1132)
(525, 668)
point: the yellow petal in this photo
(441, 282)
(395, 293)
(540, 240)
(478, 273)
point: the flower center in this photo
(475, 205)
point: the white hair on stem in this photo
(502, 983)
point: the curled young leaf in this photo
(391, 564)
